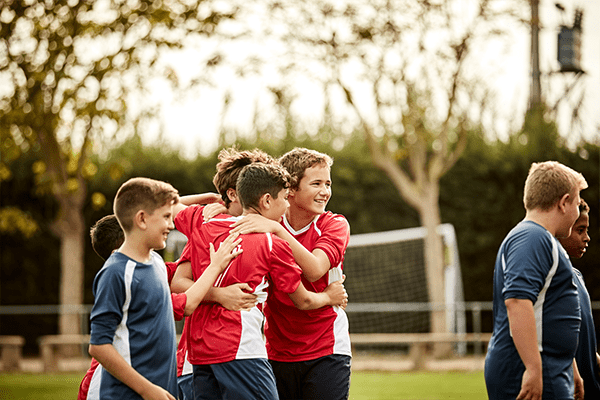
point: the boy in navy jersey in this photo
(227, 348)
(536, 306)
(309, 351)
(587, 357)
(132, 325)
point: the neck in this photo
(546, 219)
(135, 250)
(297, 217)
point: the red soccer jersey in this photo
(219, 335)
(295, 335)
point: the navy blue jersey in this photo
(587, 348)
(530, 265)
(133, 311)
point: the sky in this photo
(191, 122)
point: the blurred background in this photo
(432, 110)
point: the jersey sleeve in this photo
(528, 260)
(107, 312)
(334, 239)
(179, 300)
(185, 219)
(285, 273)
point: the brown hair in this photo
(231, 163)
(547, 182)
(141, 194)
(256, 179)
(296, 162)
(106, 235)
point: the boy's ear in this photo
(562, 202)
(265, 201)
(231, 194)
(139, 219)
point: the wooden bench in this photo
(50, 345)
(12, 352)
(418, 342)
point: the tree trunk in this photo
(429, 213)
(70, 228)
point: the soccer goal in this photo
(387, 285)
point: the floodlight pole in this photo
(535, 94)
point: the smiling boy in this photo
(309, 351)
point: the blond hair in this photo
(298, 160)
(141, 194)
(547, 182)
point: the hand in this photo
(212, 210)
(236, 297)
(579, 391)
(254, 223)
(337, 293)
(228, 250)
(155, 392)
(532, 386)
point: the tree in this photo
(67, 72)
(408, 72)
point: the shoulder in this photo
(329, 218)
(529, 234)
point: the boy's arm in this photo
(232, 297)
(579, 391)
(202, 198)
(522, 326)
(219, 260)
(314, 265)
(333, 295)
(116, 365)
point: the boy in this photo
(227, 348)
(536, 308)
(132, 311)
(587, 357)
(309, 351)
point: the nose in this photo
(586, 238)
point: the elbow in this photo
(304, 304)
(312, 277)
(92, 351)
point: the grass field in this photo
(365, 386)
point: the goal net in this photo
(387, 285)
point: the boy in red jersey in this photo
(225, 347)
(309, 351)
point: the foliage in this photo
(67, 71)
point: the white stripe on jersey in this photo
(121, 338)
(94, 388)
(252, 343)
(538, 307)
(187, 367)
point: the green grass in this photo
(365, 386)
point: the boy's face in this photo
(314, 190)
(278, 206)
(158, 226)
(577, 243)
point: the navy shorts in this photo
(250, 379)
(324, 378)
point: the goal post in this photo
(387, 284)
